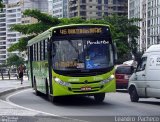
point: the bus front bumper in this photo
(83, 89)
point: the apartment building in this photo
(96, 9)
(60, 8)
(149, 12)
(41, 5)
(12, 14)
(153, 22)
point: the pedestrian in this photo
(21, 70)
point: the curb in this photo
(13, 90)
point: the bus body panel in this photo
(40, 74)
(78, 85)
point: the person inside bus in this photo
(96, 57)
(21, 70)
(93, 55)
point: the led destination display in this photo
(81, 30)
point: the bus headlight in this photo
(62, 83)
(107, 80)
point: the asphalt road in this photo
(85, 108)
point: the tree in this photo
(122, 28)
(14, 60)
(44, 22)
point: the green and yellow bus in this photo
(75, 59)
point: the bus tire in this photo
(133, 95)
(35, 87)
(99, 97)
(47, 89)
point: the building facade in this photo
(149, 12)
(12, 14)
(41, 5)
(96, 9)
(60, 8)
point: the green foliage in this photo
(14, 60)
(42, 17)
(74, 20)
(31, 29)
(21, 45)
(44, 22)
(122, 28)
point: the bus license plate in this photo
(86, 88)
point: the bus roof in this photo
(48, 33)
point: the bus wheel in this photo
(99, 97)
(133, 95)
(35, 87)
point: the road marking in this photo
(37, 111)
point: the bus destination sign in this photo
(81, 31)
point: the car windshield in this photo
(82, 54)
(124, 70)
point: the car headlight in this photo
(62, 83)
(107, 80)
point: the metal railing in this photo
(4, 74)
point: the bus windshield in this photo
(82, 54)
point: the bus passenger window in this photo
(42, 51)
(45, 48)
(37, 50)
(34, 52)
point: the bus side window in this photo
(34, 52)
(46, 53)
(29, 54)
(37, 50)
(41, 50)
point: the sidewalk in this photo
(13, 113)
(7, 86)
(7, 109)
